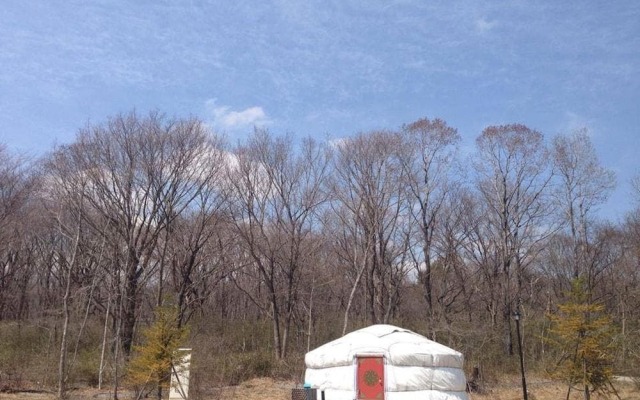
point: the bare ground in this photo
(269, 389)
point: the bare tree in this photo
(132, 175)
(481, 253)
(277, 190)
(352, 250)
(190, 244)
(196, 257)
(456, 279)
(368, 196)
(62, 365)
(583, 185)
(18, 180)
(513, 175)
(624, 281)
(427, 155)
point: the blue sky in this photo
(327, 68)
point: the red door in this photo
(370, 378)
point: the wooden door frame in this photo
(380, 356)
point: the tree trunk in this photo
(310, 316)
(585, 380)
(130, 302)
(275, 318)
(104, 341)
(62, 366)
(508, 334)
(428, 295)
(351, 296)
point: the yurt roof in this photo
(399, 346)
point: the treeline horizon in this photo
(271, 246)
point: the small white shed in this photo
(384, 362)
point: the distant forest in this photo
(272, 246)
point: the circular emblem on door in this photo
(371, 378)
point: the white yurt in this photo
(384, 362)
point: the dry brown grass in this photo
(269, 389)
(541, 388)
(551, 391)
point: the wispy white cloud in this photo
(232, 119)
(573, 122)
(483, 25)
(224, 117)
(338, 142)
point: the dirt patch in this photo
(254, 389)
(270, 389)
(27, 395)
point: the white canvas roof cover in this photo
(415, 367)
